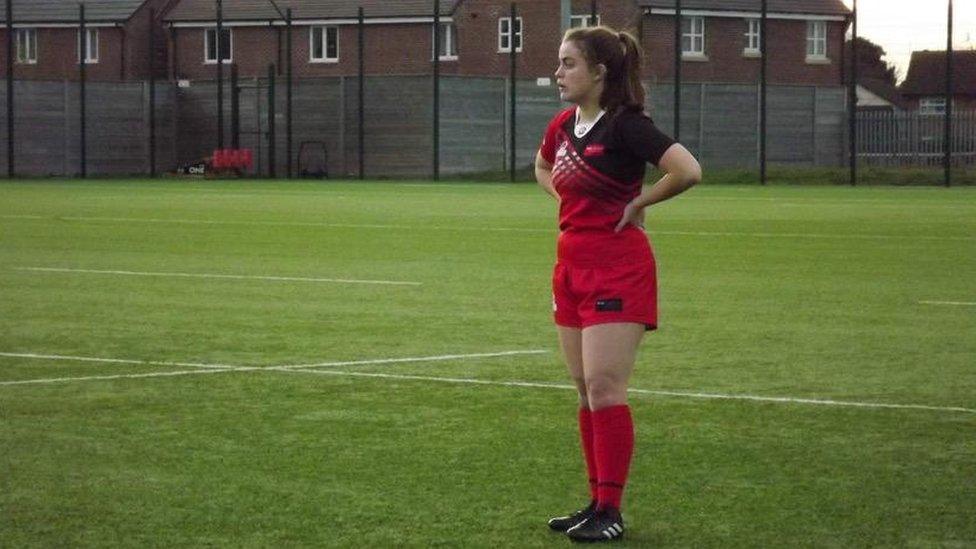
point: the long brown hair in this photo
(620, 53)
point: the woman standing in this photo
(592, 160)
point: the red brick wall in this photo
(477, 22)
(137, 42)
(725, 41)
(57, 56)
(406, 48)
(122, 51)
(390, 49)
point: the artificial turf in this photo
(834, 294)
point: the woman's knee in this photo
(584, 400)
(603, 391)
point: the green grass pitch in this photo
(829, 297)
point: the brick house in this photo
(924, 87)
(482, 26)
(47, 41)
(806, 37)
(721, 38)
(476, 36)
(325, 37)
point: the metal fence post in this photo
(947, 146)
(852, 101)
(677, 70)
(362, 93)
(272, 135)
(10, 89)
(763, 78)
(288, 91)
(235, 108)
(152, 92)
(83, 59)
(220, 74)
(437, 91)
(513, 74)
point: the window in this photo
(932, 105)
(582, 21)
(753, 32)
(448, 42)
(324, 44)
(91, 46)
(693, 36)
(226, 46)
(505, 34)
(26, 46)
(817, 39)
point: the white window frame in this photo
(206, 46)
(324, 36)
(692, 36)
(92, 46)
(26, 40)
(448, 42)
(753, 37)
(582, 21)
(816, 40)
(507, 35)
(932, 106)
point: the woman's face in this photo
(577, 81)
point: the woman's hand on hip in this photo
(633, 215)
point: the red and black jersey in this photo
(596, 175)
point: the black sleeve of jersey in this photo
(639, 136)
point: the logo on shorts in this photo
(610, 305)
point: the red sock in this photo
(586, 441)
(613, 441)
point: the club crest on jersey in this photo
(596, 149)
(563, 150)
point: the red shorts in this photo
(586, 296)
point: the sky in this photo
(903, 26)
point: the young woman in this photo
(592, 160)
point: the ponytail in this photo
(620, 53)
(633, 89)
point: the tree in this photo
(869, 62)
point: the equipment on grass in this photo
(313, 160)
(223, 162)
(232, 159)
(198, 169)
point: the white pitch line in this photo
(813, 235)
(437, 358)
(779, 400)
(118, 361)
(127, 376)
(210, 368)
(960, 303)
(816, 401)
(225, 276)
(280, 223)
(215, 368)
(651, 232)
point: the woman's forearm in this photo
(669, 186)
(544, 178)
